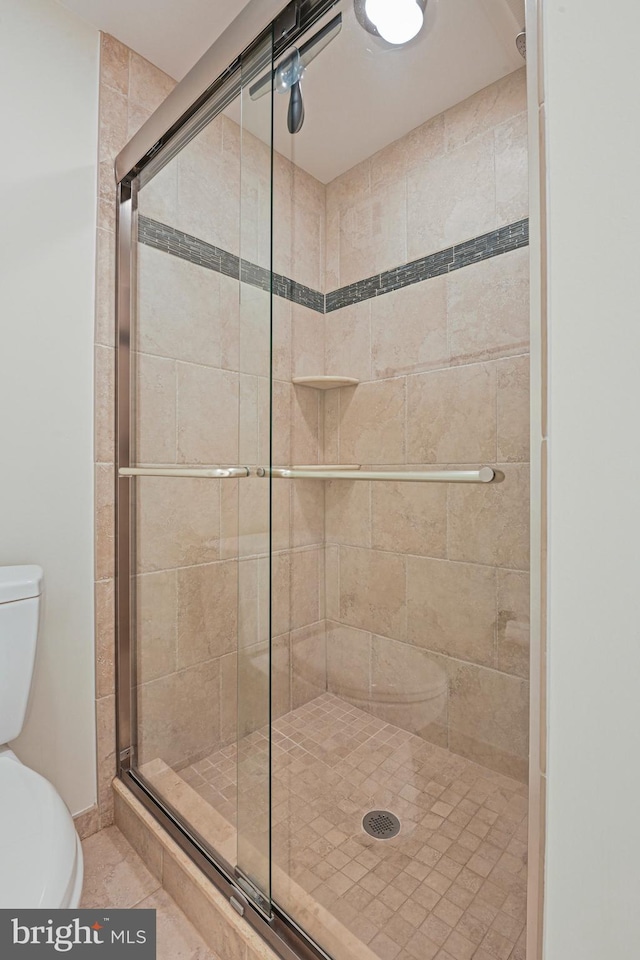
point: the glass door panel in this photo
(254, 533)
(200, 426)
(186, 422)
(399, 766)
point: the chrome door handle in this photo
(482, 475)
(210, 473)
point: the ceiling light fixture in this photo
(397, 21)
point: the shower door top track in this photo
(219, 63)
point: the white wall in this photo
(593, 811)
(49, 111)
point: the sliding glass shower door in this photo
(198, 530)
(253, 734)
(323, 501)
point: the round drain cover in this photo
(381, 824)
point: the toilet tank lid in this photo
(20, 583)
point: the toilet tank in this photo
(20, 589)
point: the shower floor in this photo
(450, 886)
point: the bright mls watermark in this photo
(79, 934)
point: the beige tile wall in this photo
(457, 176)
(203, 354)
(427, 587)
(130, 89)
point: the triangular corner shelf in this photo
(325, 383)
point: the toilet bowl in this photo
(41, 862)
(408, 686)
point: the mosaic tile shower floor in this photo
(450, 886)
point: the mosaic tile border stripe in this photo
(183, 245)
(503, 240)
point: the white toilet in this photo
(40, 854)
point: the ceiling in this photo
(360, 94)
(173, 34)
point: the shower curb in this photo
(222, 929)
(203, 903)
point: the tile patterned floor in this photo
(115, 876)
(451, 886)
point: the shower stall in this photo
(322, 489)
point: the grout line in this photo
(496, 626)
(406, 419)
(429, 650)
(397, 376)
(282, 552)
(422, 556)
(177, 430)
(406, 601)
(496, 399)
